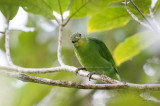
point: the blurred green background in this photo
(38, 49)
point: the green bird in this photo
(94, 56)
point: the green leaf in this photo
(39, 7)
(108, 19)
(132, 46)
(9, 8)
(157, 6)
(116, 16)
(55, 5)
(88, 7)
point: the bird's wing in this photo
(105, 53)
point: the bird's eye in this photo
(73, 41)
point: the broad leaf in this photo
(132, 46)
(108, 19)
(9, 8)
(39, 7)
(55, 5)
(88, 7)
(116, 16)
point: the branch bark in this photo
(7, 46)
(65, 68)
(59, 49)
(70, 84)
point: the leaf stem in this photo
(75, 13)
(60, 11)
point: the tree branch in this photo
(65, 68)
(70, 84)
(59, 49)
(135, 18)
(7, 46)
(140, 12)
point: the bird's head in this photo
(75, 37)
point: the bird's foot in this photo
(90, 74)
(125, 83)
(81, 68)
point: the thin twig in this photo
(59, 69)
(140, 12)
(59, 49)
(135, 18)
(153, 19)
(70, 84)
(75, 13)
(60, 11)
(7, 46)
(2, 32)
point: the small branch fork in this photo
(154, 26)
(19, 72)
(135, 18)
(61, 25)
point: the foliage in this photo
(108, 18)
(133, 46)
(111, 22)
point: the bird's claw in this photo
(76, 72)
(90, 74)
(125, 83)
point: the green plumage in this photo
(94, 56)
